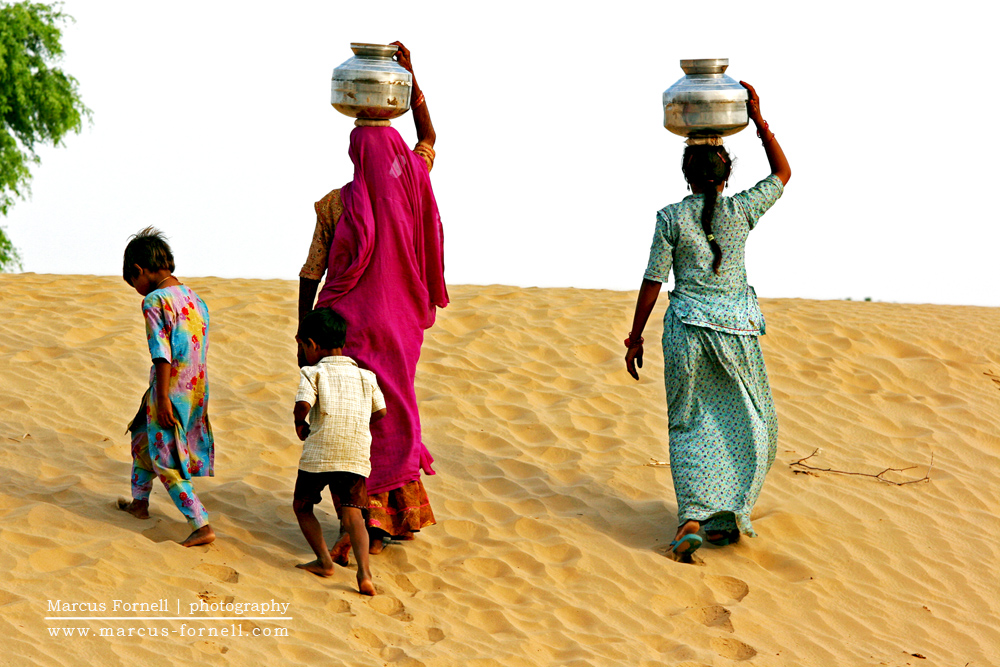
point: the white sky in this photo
(212, 121)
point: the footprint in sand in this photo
(728, 588)
(160, 532)
(220, 572)
(714, 616)
(786, 567)
(390, 606)
(403, 583)
(421, 636)
(339, 606)
(367, 638)
(211, 648)
(50, 560)
(733, 649)
(210, 597)
(6, 598)
(664, 550)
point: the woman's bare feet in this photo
(340, 550)
(365, 585)
(137, 508)
(317, 567)
(203, 535)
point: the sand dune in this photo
(551, 530)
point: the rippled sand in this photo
(551, 530)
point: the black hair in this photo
(150, 250)
(705, 167)
(326, 327)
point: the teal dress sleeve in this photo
(755, 201)
(661, 253)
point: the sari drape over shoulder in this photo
(385, 276)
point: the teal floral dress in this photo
(177, 332)
(722, 421)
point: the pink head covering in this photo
(390, 197)
(385, 275)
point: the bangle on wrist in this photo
(763, 126)
(632, 341)
(420, 100)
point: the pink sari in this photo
(385, 275)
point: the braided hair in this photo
(705, 167)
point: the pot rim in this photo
(363, 49)
(705, 66)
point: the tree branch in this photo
(811, 470)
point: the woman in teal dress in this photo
(723, 426)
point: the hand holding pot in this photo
(403, 56)
(753, 103)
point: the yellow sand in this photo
(550, 535)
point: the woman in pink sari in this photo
(379, 241)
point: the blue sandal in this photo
(692, 541)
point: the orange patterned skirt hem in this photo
(400, 511)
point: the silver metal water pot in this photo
(371, 84)
(706, 102)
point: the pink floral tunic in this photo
(177, 331)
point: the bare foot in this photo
(375, 546)
(688, 528)
(723, 537)
(317, 567)
(137, 508)
(405, 537)
(204, 535)
(340, 550)
(365, 585)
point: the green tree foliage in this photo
(39, 103)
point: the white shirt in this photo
(343, 398)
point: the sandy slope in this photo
(548, 546)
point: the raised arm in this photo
(421, 116)
(775, 156)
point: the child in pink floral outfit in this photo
(171, 435)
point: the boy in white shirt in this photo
(341, 401)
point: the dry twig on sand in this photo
(809, 470)
(653, 463)
(993, 376)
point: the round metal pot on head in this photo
(371, 84)
(705, 102)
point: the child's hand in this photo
(165, 414)
(302, 430)
(164, 408)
